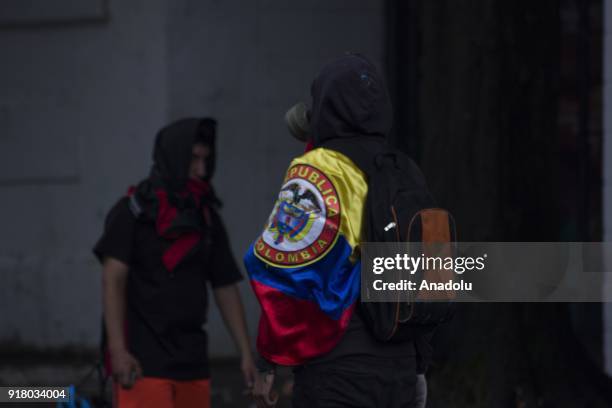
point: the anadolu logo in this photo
(305, 221)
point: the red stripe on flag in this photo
(292, 331)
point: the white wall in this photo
(607, 174)
(80, 105)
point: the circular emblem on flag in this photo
(305, 221)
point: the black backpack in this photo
(399, 208)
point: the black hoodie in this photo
(352, 113)
(166, 307)
(173, 146)
(349, 99)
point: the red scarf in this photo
(184, 241)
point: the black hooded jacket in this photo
(352, 113)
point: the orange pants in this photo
(150, 392)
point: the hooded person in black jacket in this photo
(163, 244)
(351, 109)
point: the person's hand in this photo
(249, 370)
(126, 369)
(263, 394)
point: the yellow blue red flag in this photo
(303, 267)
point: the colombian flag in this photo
(303, 267)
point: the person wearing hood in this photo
(304, 267)
(163, 243)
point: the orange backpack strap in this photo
(437, 239)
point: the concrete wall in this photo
(607, 174)
(81, 103)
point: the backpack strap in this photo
(134, 205)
